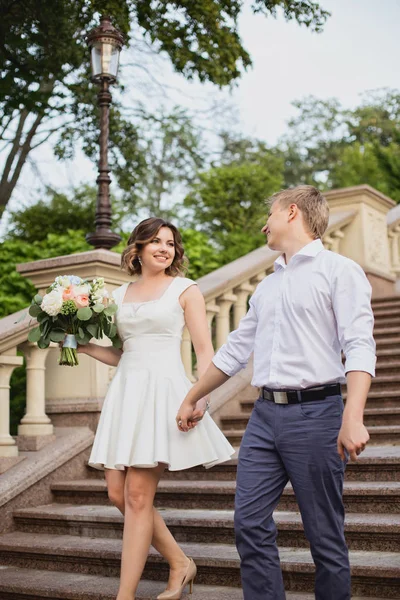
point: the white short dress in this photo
(137, 424)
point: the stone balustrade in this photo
(364, 225)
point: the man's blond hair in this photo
(312, 204)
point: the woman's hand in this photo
(189, 416)
(80, 349)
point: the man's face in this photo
(276, 226)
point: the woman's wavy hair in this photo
(142, 235)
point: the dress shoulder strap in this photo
(181, 284)
(119, 293)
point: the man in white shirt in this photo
(314, 305)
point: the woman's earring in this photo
(140, 260)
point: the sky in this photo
(358, 50)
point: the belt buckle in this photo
(280, 398)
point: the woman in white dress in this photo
(137, 437)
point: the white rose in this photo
(63, 281)
(52, 302)
(82, 289)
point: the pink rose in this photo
(69, 293)
(81, 301)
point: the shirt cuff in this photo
(361, 362)
(227, 364)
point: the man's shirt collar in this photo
(310, 250)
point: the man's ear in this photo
(293, 210)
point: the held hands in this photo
(190, 415)
(353, 437)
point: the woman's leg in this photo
(140, 489)
(163, 540)
(115, 487)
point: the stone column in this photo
(35, 429)
(211, 310)
(394, 236)
(186, 353)
(8, 362)
(240, 306)
(223, 322)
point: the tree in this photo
(45, 92)
(174, 151)
(228, 204)
(330, 146)
(59, 213)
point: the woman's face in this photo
(159, 253)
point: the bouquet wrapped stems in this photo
(69, 355)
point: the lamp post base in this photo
(103, 238)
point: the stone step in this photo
(388, 366)
(220, 562)
(388, 320)
(376, 399)
(390, 331)
(386, 302)
(363, 531)
(359, 496)
(372, 416)
(17, 583)
(376, 463)
(386, 343)
(379, 434)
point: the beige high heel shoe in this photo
(188, 579)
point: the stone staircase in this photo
(70, 549)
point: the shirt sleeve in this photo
(234, 355)
(351, 301)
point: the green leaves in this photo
(57, 335)
(111, 310)
(34, 334)
(84, 314)
(34, 310)
(98, 308)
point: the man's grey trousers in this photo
(296, 443)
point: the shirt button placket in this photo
(277, 326)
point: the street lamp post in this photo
(105, 43)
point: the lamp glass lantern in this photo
(105, 59)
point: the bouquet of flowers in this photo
(73, 311)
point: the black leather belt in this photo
(297, 396)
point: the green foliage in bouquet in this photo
(62, 320)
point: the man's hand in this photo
(353, 437)
(198, 412)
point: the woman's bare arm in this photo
(105, 354)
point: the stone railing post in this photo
(223, 317)
(240, 307)
(394, 238)
(186, 353)
(35, 429)
(8, 362)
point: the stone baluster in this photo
(259, 277)
(8, 362)
(223, 317)
(186, 353)
(327, 240)
(336, 237)
(211, 310)
(240, 307)
(394, 238)
(35, 429)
